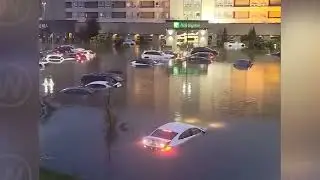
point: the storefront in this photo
(186, 32)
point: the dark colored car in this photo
(206, 55)
(80, 91)
(88, 78)
(64, 49)
(171, 53)
(198, 60)
(278, 54)
(242, 64)
(204, 49)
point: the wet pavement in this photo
(241, 110)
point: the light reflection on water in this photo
(204, 92)
(213, 93)
(213, 96)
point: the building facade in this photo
(227, 11)
(151, 17)
(118, 10)
(214, 11)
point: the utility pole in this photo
(187, 34)
(43, 9)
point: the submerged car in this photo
(206, 55)
(204, 49)
(77, 91)
(89, 78)
(171, 135)
(198, 60)
(242, 64)
(142, 63)
(98, 85)
(156, 55)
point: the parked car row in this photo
(94, 82)
(65, 53)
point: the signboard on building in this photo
(186, 25)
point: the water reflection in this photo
(48, 86)
(214, 96)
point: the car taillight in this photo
(166, 148)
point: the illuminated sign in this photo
(186, 25)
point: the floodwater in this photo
(240, 109)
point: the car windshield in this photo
(243, 61)
(163, 134)
(202, 55)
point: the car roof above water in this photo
(176, 127)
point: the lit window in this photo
(274, 14)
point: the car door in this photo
(184, 137)
(158, 56)
(148, 55)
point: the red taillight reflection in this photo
(166, 149)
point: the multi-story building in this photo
(227, 11)
(117, 10)
(151, 16)
(157, 11)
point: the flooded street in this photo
(240, 109)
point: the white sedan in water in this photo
(89, 54)
(171, 135)
(156, 55)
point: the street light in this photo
(43, 9)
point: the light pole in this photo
(43, 3)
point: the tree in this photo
(252, 38)
(222, 37)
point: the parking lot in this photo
(240, 109)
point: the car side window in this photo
(96, 86)
(149, 53)
(195, 131)
(186, 134)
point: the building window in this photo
(118, 4)
(274, 2)
(259, 2)
(81, 14)
(147, 15)
(68, 14)
(81, 4)
(101, 4)
(108, 4)
(241, 15)
(242, 3)
(118, 15)
(68, 4)
(91, 4)
(75, 4)
(224, 3)
(147, 4)
(92, 15)
(274, 14)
